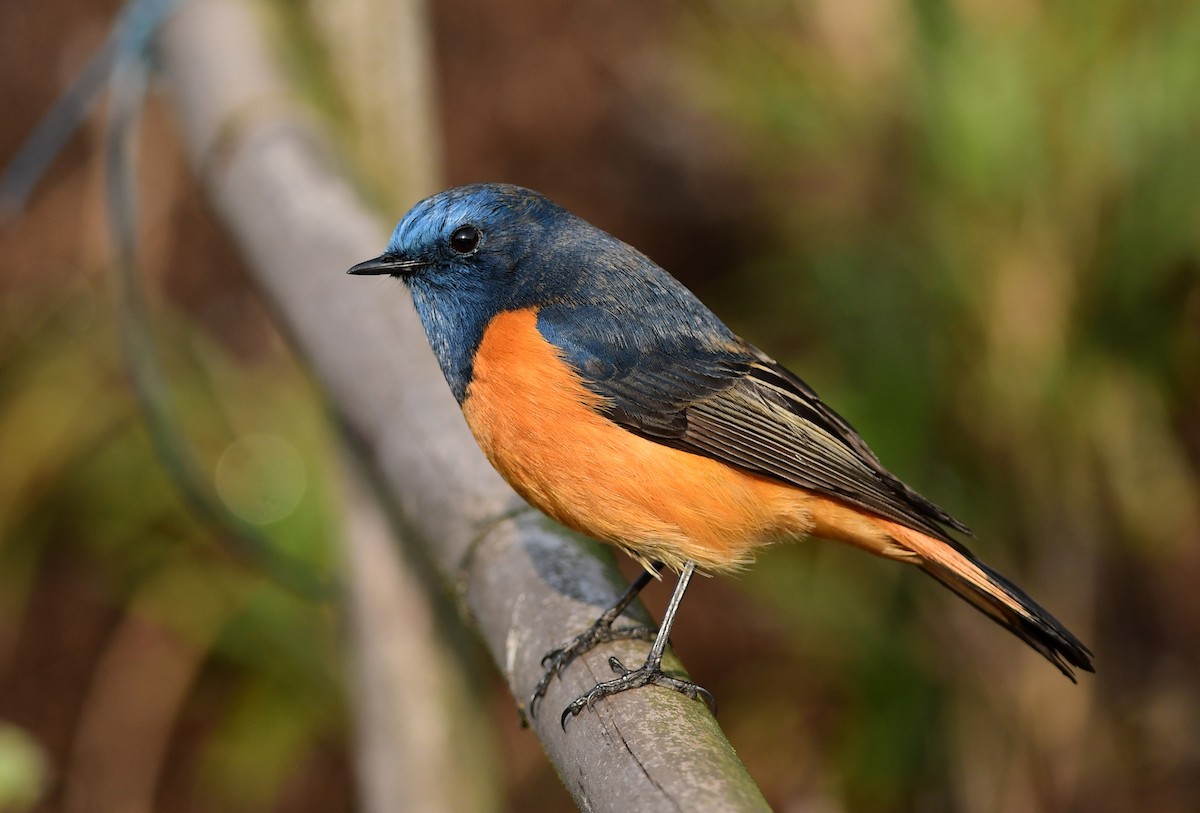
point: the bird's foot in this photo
(556, 661)
(650, 674)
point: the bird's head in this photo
(472, 252)
(463, 247)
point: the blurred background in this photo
(972, 225)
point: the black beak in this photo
(387, 264)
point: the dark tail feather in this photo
(998, 599)
(1020, 615)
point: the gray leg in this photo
(650, 673)
(598, 633)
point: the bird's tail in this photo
(996, 597)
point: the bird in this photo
(613, 400)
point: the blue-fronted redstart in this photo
(609, 397)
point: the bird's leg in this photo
(650, 673)
(598, 633)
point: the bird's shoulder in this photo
(648, 358)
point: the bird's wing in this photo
(729, 401)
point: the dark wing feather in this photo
(800, 398)
(729, 401)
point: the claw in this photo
(602, 631)
(557, 660)
(649, 674)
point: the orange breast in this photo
(538, 425)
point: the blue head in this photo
(463, 254)
(475, 251)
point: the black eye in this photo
(464, 239)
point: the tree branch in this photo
(526, 583)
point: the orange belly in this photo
(537, 424)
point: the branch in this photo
(526, 583)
